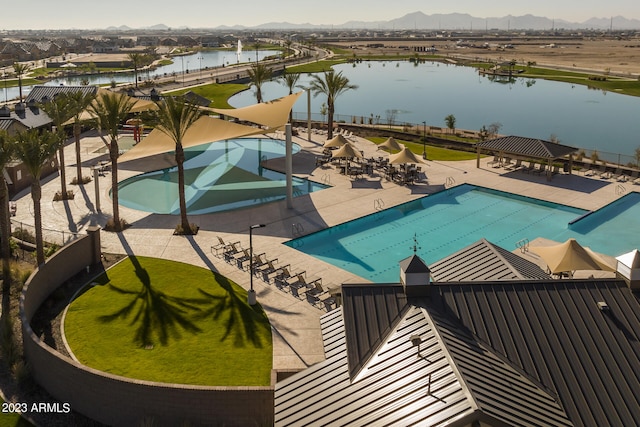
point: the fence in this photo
(58, 237)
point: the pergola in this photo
(527, 148)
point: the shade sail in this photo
(139, 105)
(205, 130)
(346, 151)
(273, 114)
(336, 142)
(570, 256)
(391, 144)
(404, 156)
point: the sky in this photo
(83, 14)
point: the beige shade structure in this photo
(347, 151)
(139, 105)
(391, 144)
(569, 257)
(205, 130)
(336, 142)
(404, 156)
(273, 114)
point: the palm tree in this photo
(6, 155)
(333, 85)
(137, 61)
(174, 118)
(110, 110)
(79, 101)
(450, 120)
(21, 70)
(34, 149)
(59, 111)
(290, 80)
(259, 74)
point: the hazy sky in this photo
(83, 14)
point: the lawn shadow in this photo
(156, 315)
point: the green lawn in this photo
(218, 93)
(433, 152)
(166, 321)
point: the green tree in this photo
(110, 111)
(637, 156)
(34, 149)
(450, 120)
(79, 102)
(7, 148)
(21, 70)
(290, 80)
(174, 118)
(59, 111)
(137, 62)
(259, 74)
(332, 85)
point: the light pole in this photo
(200, 58)
(424, 140)
(251, 297)
(182, 60)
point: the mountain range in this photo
(451, 21)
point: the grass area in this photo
(12, 420)
(218, 93)
(166, 321)
(315, 67)
(433, 152)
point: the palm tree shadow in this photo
(243, 319)
(156, 315)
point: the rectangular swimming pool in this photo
(446, 222)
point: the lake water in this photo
(578, 116)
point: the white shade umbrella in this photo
(570, 256)
(347, 151)
(336, 142)
(391, 144)
(404, 156)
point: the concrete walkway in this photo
(296, 327)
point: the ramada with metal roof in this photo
(491, 352)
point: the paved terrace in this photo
(297, 340)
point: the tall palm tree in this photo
(137, 62)
(21, 69)
(110, 111)
(59, 111)
(332, 85)
(174, 118)
(79, 101)
(34, 149)
(259, 74)
(290, 80)
(7, 148)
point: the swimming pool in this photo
(446, 222)
(220, 176)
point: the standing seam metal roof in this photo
(527, 147)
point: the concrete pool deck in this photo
(297, 341)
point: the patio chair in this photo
(318, 295)
(514, 166)
(556, 170)
(528, 168)
(299, 285)
(281, 279)
(268, 270)
(541, 168)
(619, 176)
(506, 162)
(634, 177)
(258, 261)
(495, 162)
(221, 247)
(230, 252)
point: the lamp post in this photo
(200, 58)
(424, 140)
(251, 297)
(182, 61)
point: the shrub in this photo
(179, 231)
(85, 180)
(24, 235)
(59, 196)
(112, 226)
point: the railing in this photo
(297, 229)
(523, 245)
(378, 204)
(326, 179)
(620, 190)
(450, 182)
(58, 237)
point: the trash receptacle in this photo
(565, 168)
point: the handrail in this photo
(297, 229)
(620, 190)
(523, 245)
(450, 182)
(378, 204)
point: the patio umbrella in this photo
(347, 151)
(336, 142)
(391, 144)
(404, 156)
(570, 256)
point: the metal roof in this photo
(39, 92)
(483, 260)
(527, 147)
(556, 332)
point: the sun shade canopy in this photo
(273, 114)
(570, 256)
(404, 156)
(346, 151)
(391, 144)
(335, 142)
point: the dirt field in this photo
(620, 57)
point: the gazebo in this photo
(527, 148)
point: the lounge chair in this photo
(299, 285)
(556, 170)
(282, 277)
(528, 168)
(318, 295)
(619, 176)
(222, 246)
(267, 271)
(514, 166)
(541, 168)
(259, 260)
(603, 173)
(634, 177)
(495, 162)
(229, 254)
(506, 162)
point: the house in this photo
(497, 351)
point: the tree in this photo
(450, 120)
(332, 85)
(59, 111)
(7, 149)
(110, 110)
(637, 156)
(494, 128)
(259, 74)
(174, 118)
(34, 149)
(79, 101)
(290, 80)
(21, 70)
(137, 62)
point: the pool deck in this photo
(296, 327)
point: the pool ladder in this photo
(297, 229)
(450, 182)
(326, 179)
(378, 204)
(620, 190)
(523, 245)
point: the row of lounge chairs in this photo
(619, 174)
(273, 273)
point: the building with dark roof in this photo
(490, 352)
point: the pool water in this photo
(445, 222)
(219, 176)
